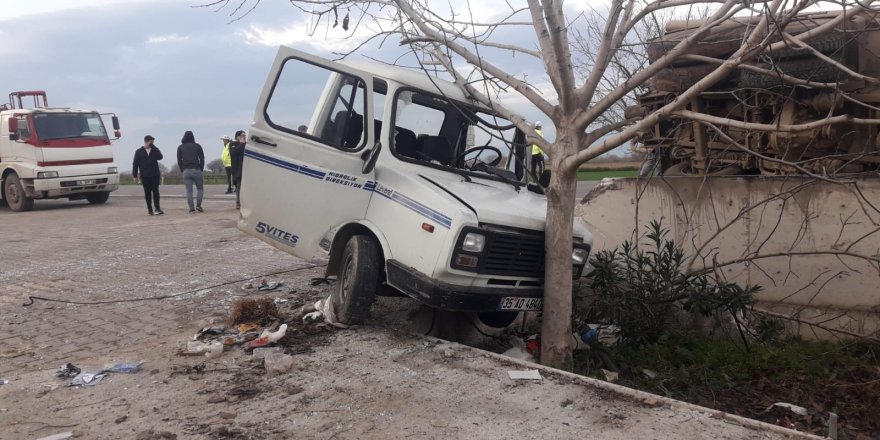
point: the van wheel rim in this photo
(12, 194)
(347, 278)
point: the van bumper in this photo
(451, 297)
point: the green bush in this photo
(643, 288)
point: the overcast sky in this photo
(163, 66)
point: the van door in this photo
(302, 174)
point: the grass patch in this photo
(601, 174)
(718, 372)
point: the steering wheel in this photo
(476, 158)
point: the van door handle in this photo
(263, 141)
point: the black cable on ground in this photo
(31, 299)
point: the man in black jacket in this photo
(146, 167)
(191, 160)
(236, 153)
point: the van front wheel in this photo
(13, 192)
(355, 290)
(97, 198)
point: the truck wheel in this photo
(358, 280)
(97, 198)
(15, 196)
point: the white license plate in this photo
(520, 303)
(86, 182)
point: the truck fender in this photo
(345, 232)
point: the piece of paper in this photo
(525, 375)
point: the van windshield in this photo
(69, 125)
(434, 131)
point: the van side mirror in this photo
(370, 157)
(115, 120)
(13, 129)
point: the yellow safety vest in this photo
(536, 150)
(227, 160)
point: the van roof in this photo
(410, 77)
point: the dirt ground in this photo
(381, 380)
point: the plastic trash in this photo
(68, 370)
(87, 378)
(3, 381)
(125, 367)
(264, 285)
(277, 363)
(262, 341)
(525, 375)
(196, 347)
(213, 330)
(261, 352)
(276, 335)
(215, 349)
(607, 335)
(799, 410)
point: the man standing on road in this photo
(236, 152)
(146, 167)
(191, 160)
(227, 162)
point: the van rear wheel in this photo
(355, 290)
(15, 196)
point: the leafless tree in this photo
(584, 105)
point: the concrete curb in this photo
(636, 394)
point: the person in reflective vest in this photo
(537, 155)
(227, 162)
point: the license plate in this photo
(86, 182)
(520, 303)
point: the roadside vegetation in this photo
(697, 338)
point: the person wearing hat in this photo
(537, 154)
(227, 162)
(145, 168)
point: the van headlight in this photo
(47, 174)
(111, 170)
(579, 256)
(473, 242)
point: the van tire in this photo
(13, 193)
(97, 198)
(355, 290)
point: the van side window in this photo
(297, 106)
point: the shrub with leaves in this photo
(641, 287)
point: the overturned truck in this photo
(831, 86)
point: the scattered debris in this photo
(832, 426)
(649, 374)
(153, 435)
(59, 436)
(258, 310)
(269, 285)
(605, 334)
(124, 367)
(525, 375)
(247, 286)
(215, 330)
(518, 350)
(3, 381)
(799, 410)
(260, 353)
(120, 419)
(610, 376)
(87, 378)
(68, 370)
(215, 349)
(277, 363)
(248, 326)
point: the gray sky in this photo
(163, 66)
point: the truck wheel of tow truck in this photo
(355, 290)
(15, 196)
(97, 198)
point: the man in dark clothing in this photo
(236, 153)
(146, 166)
(191, 160)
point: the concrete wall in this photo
(728, 219)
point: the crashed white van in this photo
(408, 185)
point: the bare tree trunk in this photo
(556, 323)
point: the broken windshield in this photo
(434, 131)
(69, 125)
